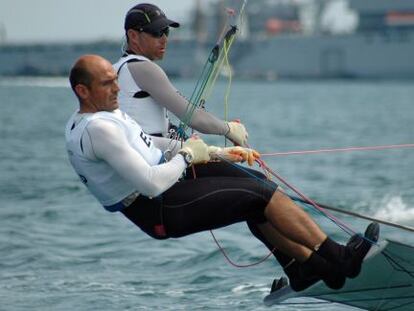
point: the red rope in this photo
(298, 192)
(222, 250)
(236, 264)
(306, 198)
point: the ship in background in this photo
(318, 39)
(367, 39)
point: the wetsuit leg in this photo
(228, 169)
(147, 213)
(206, 203)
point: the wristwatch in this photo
(188, 158)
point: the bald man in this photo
(125, 169)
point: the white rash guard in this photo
(115, 158)
(147, 93)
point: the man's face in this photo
(150, 46)
(103, 91)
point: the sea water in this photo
(59, 250)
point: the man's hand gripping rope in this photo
(201, 153)
(233, 154)
(197, 148)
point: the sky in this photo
(24, 21)
(44, 21)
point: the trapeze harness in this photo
(147, 95)
(137, 102)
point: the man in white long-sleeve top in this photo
(127, 172)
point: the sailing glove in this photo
(233, 154)
(197, 148)
(237, 133)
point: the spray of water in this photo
(394, 209)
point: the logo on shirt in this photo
(146, 139)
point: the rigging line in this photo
(341, 224)
(228, 39)
(227, 95)
(321, 207)
(401, 305)
(347, 301)
(218, 57)
(372, 299)
(236, 264)
(268, 183)
(227, 42)
(362, 290)
(350, 213)
(223, 251)
(367, 148)
(202, 83)
(305, 200)
(335, 220)
(210, 71)
(395, 264)
(314, 303)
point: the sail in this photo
(386, 282)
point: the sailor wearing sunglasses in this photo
(146, 93)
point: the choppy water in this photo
(61, 251)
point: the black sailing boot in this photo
(300, 278)
(357, 248)
(329, 273)
(350, 257)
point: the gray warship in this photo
(291, 39)
(278, 39)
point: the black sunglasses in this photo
(158, 34)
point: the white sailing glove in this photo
(195, 151)
(233, 154)
(237, 133)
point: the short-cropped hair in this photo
(79, 74)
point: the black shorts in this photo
(217, 195)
